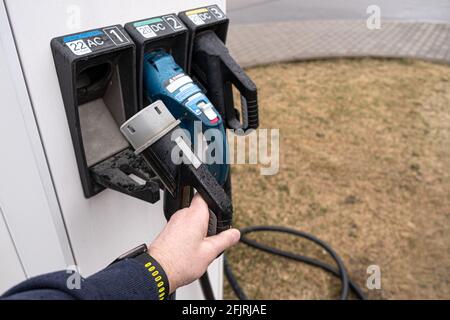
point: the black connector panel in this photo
(97, 77)
(216, 70)
(163, 32)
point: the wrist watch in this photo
(157, 273)
(133, 253)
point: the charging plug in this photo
(155, 134)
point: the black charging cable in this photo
(346, 283)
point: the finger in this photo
(222, 241)
(199, 212)
(198, 204)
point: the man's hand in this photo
(182, 248)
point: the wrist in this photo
(156, 274)
(166, 265)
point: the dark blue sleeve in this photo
(123, 280)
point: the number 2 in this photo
(174, 23)
(77, 46)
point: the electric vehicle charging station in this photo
(90, 100)
(67, 211)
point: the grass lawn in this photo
(364, 165)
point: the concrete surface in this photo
(268, 31)
(255, 11)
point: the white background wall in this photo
(12, 270)
(100, 228)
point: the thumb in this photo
(199, 213)
(198, 204)
(222, 241)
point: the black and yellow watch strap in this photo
(157, 273)
(155, 270)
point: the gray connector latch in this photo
(148, 126)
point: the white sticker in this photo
(178, 83)
(78, 47)
(195, 18)
(146, 31)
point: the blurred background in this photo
(361, 95)
(251, 11)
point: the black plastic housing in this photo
(215, 69)
(216, 22)
(181, 178)
(162, 32)
(96, 73)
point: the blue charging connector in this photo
(165, 80)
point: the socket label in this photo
(159, 26)
(91, 41)
(205, 15)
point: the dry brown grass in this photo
(365, 155)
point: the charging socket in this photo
(165, 32)
(211, 64)
(210, 18)
(96, 73)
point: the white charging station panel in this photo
(98, 229)
(12, 271)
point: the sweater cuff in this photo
(127, 280)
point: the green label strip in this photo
(150, 21)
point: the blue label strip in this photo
(82, 35)
(186, 91)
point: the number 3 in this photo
(218, 14)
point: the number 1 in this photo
(114, 32)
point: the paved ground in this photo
(254, 11)
(267, 31)
(264, 43)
